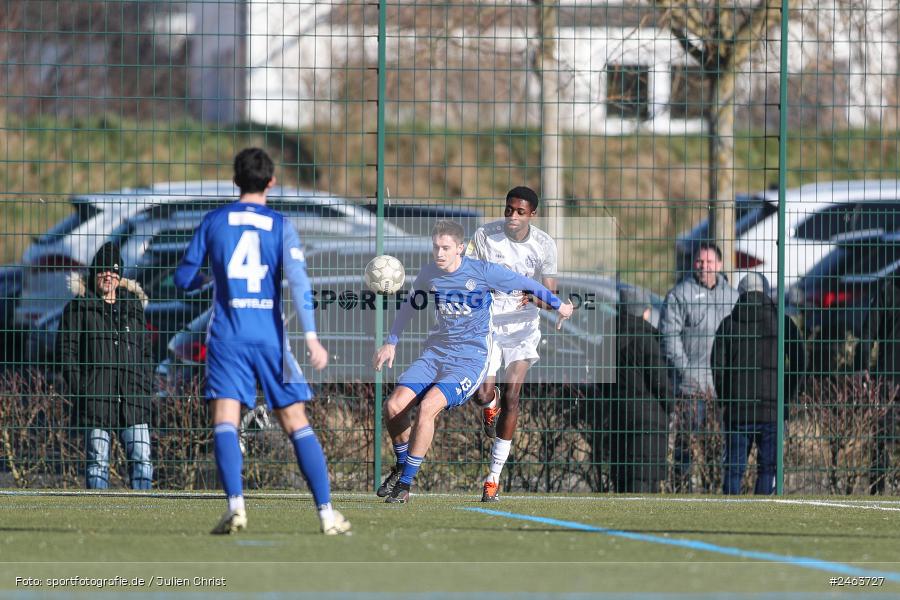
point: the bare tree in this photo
(547, 69)
(721, 36)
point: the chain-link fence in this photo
(678, 148)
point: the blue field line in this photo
(833, 568)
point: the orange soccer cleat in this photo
(491, 492)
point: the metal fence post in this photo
(782, 181)
(379, 231)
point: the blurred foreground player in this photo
(250, 247)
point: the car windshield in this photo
(848, 218)
(82, 213)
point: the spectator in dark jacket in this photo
(640, 401)
(104, 349)
(745, 372)
(881, 333)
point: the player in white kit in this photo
(520, 246)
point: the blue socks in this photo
(401, 451)
(311, 460)
(229, 460)
(411, 468)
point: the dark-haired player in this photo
(250, 248)
(521, 247)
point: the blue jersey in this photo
(250, 248)
(462, 301)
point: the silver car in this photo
(136, 215)
(817, 217)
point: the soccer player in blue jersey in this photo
(250, 247)
(455, 357)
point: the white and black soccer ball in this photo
(384, 274)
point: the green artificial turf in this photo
(435, 544)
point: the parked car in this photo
(10, 290)
(166, 312)
(816, 216)
(418, 219)
(139, 213)
(833, 299)
(582, 351)
(336, 276)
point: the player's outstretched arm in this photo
(385, 354)
(506, 280)
(550, 284)
(295, 272)
(187, 276)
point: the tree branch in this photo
(696, 52)
(751, 33)
(687, 16)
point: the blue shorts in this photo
(457, 373)
(233, 369)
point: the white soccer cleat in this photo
(232, 522)
(336, 525)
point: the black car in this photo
(417, 219)
(582, 352)
(10, 289)
(833, 299)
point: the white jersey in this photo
(533, 257)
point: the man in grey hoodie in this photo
(692, 312)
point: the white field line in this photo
(888, 505)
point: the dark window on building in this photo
(628, 91)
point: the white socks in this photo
(236, 503)
(326, 512)
(499, 454)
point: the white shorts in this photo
(512, 342)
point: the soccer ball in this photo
(384, 274)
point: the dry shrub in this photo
(829, 444)
(550, 453)
(40, 450)
(341, 416)
(833, 429)
(184, 451)
(553, 451)
(707, 447)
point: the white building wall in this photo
(284, 63)
(217, 78)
